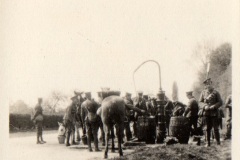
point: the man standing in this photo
(191, 112)
(210, 100)
(89, 115)
(128, 107)
(228, 105)
(78, 117)
(140, 103)
(69, 119)
(168, 110)
(38, 120)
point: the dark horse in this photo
(113, 112)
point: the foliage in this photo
(21, 122)
(220, 70)
(175, 91)
(53, 102)
(20, 107)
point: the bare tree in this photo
(54, 101)
(175, 91)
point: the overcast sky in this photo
(66, 45)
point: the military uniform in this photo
(140, 103)
(228, 105)
(210, 100)
(168, 111)
(69, 120)
(89, 114)
(191, 113)
(38, 120)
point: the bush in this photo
(21, 122)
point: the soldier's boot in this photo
(217, 136)
(89, 143)
(103, 141)
(42, 139)
(96, 144)
(208, 139)
(38, 141)
(68, 139)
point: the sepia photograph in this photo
(132, 80)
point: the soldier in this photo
(228, 105)
(38, 120)
(150, 106)
(129, 106)
(191, 112)
(89, 115)
(140, 103)
(210, 100)
(78, 117)
(69, 119)
(168, 109)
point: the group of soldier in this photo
(83, 112)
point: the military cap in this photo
(207, 81)
(74, 98)
(145, 96)
(77, 92)
(140, 92)
(128, 94)
(189, 92)
(87, 94)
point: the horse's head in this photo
(61, 129)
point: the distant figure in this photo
(92, 121)
(140, 103)
(210, 100)
(228, 105)
(69, 119)
(38, 120)
(128, 107)
(191, 112)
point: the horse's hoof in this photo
(105, 156)
(67, 144)
(90, 150)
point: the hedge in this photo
(21, 122)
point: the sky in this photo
(85, 45)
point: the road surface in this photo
(22, 146)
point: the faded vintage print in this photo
(134, 80)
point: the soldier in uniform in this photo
(140, 103)
(89, 115)
(69, 119)
(38, 120)
(191, 112)
(228, 105)
(129, 106)
(210, 100)
(78, 117)
(168, 110)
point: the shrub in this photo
(21, 122)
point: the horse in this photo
(113, 112)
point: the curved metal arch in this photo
(159, 69)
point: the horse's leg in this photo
(78, 133)
(106, 130)
(112, 136)
(120, 137)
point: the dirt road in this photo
(23, 146)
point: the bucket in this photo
(179, 128)
(84, 139)
(61, 139)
